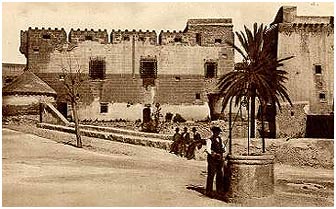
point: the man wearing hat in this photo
(195, 143)
(215, 149)
(177, 140)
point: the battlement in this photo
(288, 14)
(118, 36)
(173, 37)
(78, 35)
(307, 27)
(35, 38)
(211, 21)
(36, 29)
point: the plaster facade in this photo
(180, 61)
(311, 72)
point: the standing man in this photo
(185, 141)
(215, 149)
(176, 141)
(196, 142)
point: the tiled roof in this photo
(28, 83)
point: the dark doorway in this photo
(63, 108)
(146, 115)
(320, 126)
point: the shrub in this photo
(168, 117)
(178, 119)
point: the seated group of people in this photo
(184, 145)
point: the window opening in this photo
(61, 77)
(198, 39)
(322, 96)
(210, 69)
(88, 38)
(148, 71)
(178, 39)
(103, 107)
(97, 68)
(46, 36)
(318, 69)
(218, 41)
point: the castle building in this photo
(128, 71)
(311, 72)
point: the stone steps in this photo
(125, 132)
(118, 137)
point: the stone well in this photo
(248, 177)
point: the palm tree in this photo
(257, 76)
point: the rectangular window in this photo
(322, 96)
(61, 77)
(8, 80)
(97, 68)
(88, 38)
(198, 39)
(198, 96)
(210, 69)
(36, 50)
(318, 69)
(103, 107)
(46, 36)
(178, 39)
(218, 41)
(148, 71)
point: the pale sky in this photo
(145, 16)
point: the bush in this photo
(168, 117)
(178, 119)
(149, 127)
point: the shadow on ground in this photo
(200, 189)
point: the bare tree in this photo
(72, 78)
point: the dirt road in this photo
(42, 172)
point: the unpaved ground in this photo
(42, 172)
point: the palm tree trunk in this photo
(272, 123)
(77, 131)
(262, 127)
(253, 100)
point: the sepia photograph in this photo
(168, 104)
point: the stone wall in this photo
(37, 44)
(180, 77)
(23, 104)
(76, 36)
(311, 41)
(133, 112)
(291, 121)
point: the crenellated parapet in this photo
(312, 28)
(77, 36)
(173, 38)
(38, 43)
(120, 36)
(209, 32)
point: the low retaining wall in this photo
(136, 140)
(317, 153)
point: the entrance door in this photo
(146, 115)
(63, 108)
